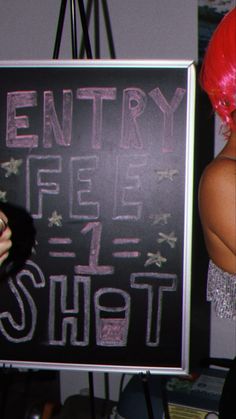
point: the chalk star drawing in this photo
(161, 218)
(34, 248)
(3, 196)
(166, 174)
(155, 259)
(55, 220)
(171, 239)
(11, 166)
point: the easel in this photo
(85, 19)
(86, 47)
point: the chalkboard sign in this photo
(97, 161)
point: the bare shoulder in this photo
(219, 176)
(217, 191)
(217, 209)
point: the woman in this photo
(217, 189)
(5, 238)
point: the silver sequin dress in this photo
(221, 291)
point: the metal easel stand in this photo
(85, 20)
(85, 46)
(144, 378)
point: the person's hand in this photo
(5, 238)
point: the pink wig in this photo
(218, 72)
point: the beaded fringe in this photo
(221, 291)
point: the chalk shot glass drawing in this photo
(112, 322)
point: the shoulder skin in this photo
(217, 203)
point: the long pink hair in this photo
(218, 72)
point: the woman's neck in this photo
(230, 147)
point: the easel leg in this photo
(164, 398)
(108, 29)
(59, 29)
(91, 396)
(96, 29)
(5, 385)
(73, 29)
(85, 29)
(107, 395)
(147, 395)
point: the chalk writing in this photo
(82, 170)
(110, 329)
(64, 241)
(16, 100)
(134, 103)
(133, 106)
(22, 327)
(168, 110)
(156, 285)
(128, 181)
(76, 319)
(51, 126)
(36, 169)
(97, 95)
(93, 268)
(126, 253)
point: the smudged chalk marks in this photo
(3, 196)
(168, 174)
(161, 218)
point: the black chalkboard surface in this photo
(99, 156)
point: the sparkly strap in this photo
(221, 290)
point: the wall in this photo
(141, 29)
(150, 29)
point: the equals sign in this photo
(126, 253)
(61, 241)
